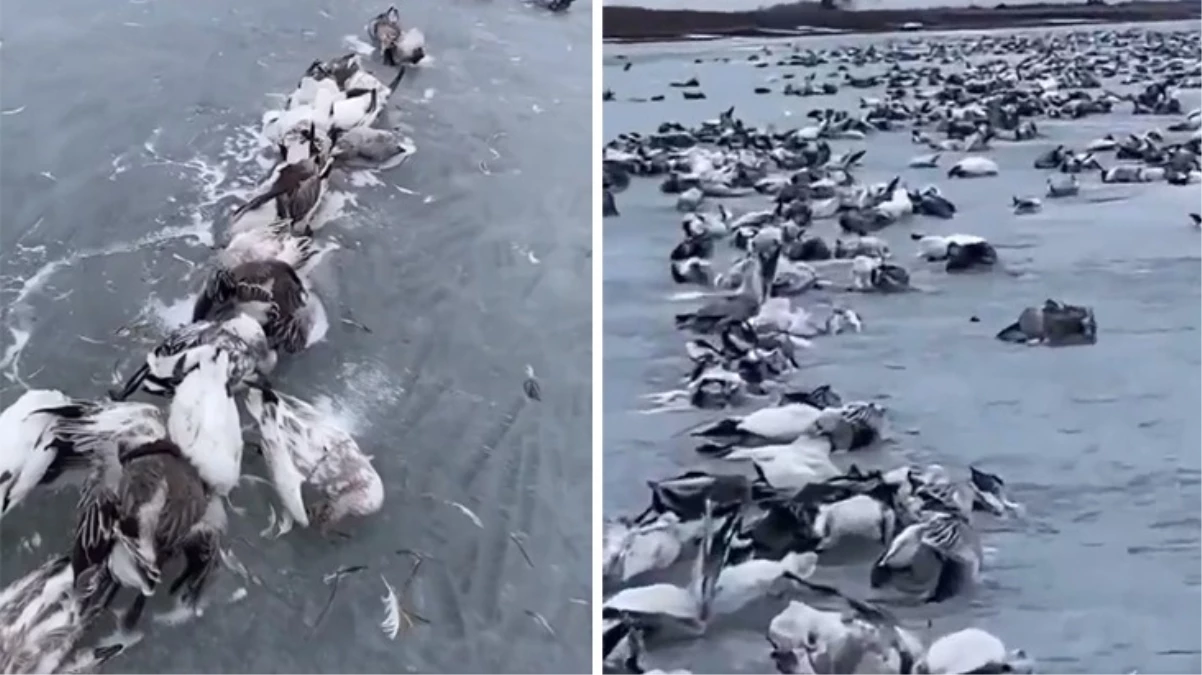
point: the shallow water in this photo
(126, 126)
(1098, 442)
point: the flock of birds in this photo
(746, 540)
(155, 479)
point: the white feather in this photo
(391, 624)
(469, 513)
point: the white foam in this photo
(369, 388)
(365, 179)
(357, 45)
(315, 313)
(333, 207)
(170, 315)
(341, 416)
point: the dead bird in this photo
(385, 34)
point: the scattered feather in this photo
(337, 574)
(517, 539)
(538, 618)
(234, 565)
(391, 624)
(531, 385)
(356, 324)
(238, 595)
(467, 512)
(13, 111)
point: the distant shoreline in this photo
(638, 24)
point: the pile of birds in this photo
(782, 491)
(155, 479)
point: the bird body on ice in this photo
(302, 446)
(30, 454)
(739, 585)
(783, 424)
(935, 247)
(971, 650)
(859, 516)
(42, 617)
(973, 166)
(204, 420)
(795, 467)
(633, 550)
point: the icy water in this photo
(125, 127)
(1100, 442)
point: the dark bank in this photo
(638, 24)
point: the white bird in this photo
(672, 607)
(859, 517)
(793, 466)
(973, 166)
(782, 424)
(30, 453)
(947, 540)
(241, 337)
(864, 640)
(203, 419)
(1026, 205)
(633, 549)
(355, 108)
(862, 269)
(926, 161)
(44, 614)
(821, 209)
(304, 96)
(971, 650)
(933, 248)
(95, 427)
(689, 200)
(741, 584)
(302, 446)
(273, 242)
(1103, 144)
(412, 46)
(735, 587)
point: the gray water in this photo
(127, 123)
(1099, 443)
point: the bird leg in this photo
(201, 557)
(130, 619)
